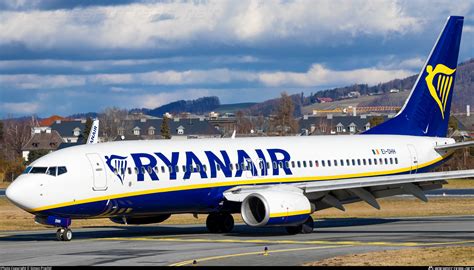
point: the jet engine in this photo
(275, 208)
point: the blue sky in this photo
(65, 57)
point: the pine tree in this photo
(87, 128)
(165, 130)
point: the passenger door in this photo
(98, 171)
(413, 158)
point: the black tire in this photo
(212, 223)
(307, 226)
(226, 223)
(59, 235)
(293, 229)
(67, 235)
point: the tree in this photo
(16, 135)
(87, 127)
(244, 125)
(165, 129)
(284, 122)
(111, 119)
(35, 154)
(1, 131)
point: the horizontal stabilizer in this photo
(455, 146)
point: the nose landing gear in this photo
(64, 234)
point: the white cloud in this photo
(19, 108)
(223, 22)
(33, 81)
(318, 75)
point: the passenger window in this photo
(335, 163)
(204, 167)
(162, 169)
(231, 166)
(348, 162)
(304, 163)
(287, 164)
(358, 162)
(370, 161)
(375, 161)
(329, 163)
(149, 169)
(176, 168)
(299, 164)
(391, 161)
(396, 160)
(386, 161)
(170, 169)
(136, 170)
(280, 164)
(342, 162)
(380, 161)
(237, 166)
(363, 162)
(274, 165)
(38, 170)
(218, 166)
(51, 171)
(129, 170)
(62, 170)
(198, 168)
(293, 164)
(323, 163)
(353, 162)
(316, 163)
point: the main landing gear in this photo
(306, 227)
(64, 234)
(220, 222)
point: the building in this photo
(46, 139)
(70, 131)
(329, 124)
(149, 129)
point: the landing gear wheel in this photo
(212, 223)
(64, 234)
(226, 223)
(67, 235)
(220, 223)
(307, 226)
(59, 234)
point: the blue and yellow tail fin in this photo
(427, 109)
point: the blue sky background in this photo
(65, 57)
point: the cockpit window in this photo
(27, 170)
(62, 170)
(39, 170)
(53, 171)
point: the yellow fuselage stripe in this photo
(287, 214)
(236, 183)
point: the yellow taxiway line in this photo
(261, 253)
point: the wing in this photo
(336, 193)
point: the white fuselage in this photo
(89, 179)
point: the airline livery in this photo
(272, 181)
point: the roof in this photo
(50, 120)
(191, 126)
(66, 128)
(43, 141)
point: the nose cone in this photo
(19, 193)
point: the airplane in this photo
(270, 181)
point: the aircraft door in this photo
(413, 158)
(98, 172)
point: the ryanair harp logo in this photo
(439, 81)
(118, 165)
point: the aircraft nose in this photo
(17, 193)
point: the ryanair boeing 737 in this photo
(276, 181)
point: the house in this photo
(149, 129)
(324, 99)
(48, 140)
(330, 124)
(70, 131)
